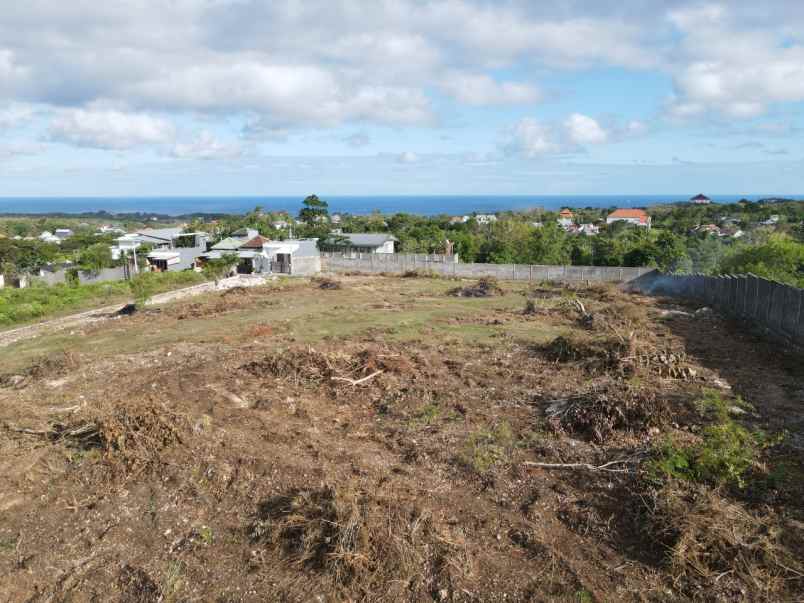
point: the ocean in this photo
(415, 204)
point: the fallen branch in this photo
(358, 381)
(586, 466)
(24, 430)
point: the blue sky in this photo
(345, 97)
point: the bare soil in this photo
(377, 443)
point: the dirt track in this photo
(106, 312)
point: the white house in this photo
(49, 237)
(63, 233)
(589, 230)
(566, 219)
(485, 218)
(362, 243)
(259, 255)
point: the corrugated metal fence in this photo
(776, 307)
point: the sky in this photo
(371, 97)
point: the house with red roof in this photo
(566, 219)
(637, 217)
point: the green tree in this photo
(549, 245)
(95, 258)
(218, 268)
(142, 287)
(670, 252)
(780, 258)
(314, 210)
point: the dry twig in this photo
(358, 381)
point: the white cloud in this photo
(531, 138)
(206, 147)
(729, 66)
(109, 129)
(479, 89)
(15, 114)
(408, 157)
(582, 129)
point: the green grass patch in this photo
(19, 306)
(487, 447)
(724, 455)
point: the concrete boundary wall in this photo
(777, 308)
(102, 276)
(399, 262)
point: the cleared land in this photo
(393, 439)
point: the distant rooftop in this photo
(368, 239)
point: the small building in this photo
(700, 199)
(485, 218)
(771, 221)
(49, 237)
(362, 243)
(63, 233)
(566, 219)
(637, 217)
(590, 230)
(708, 229)
(171, 248)
(280, 224)
(258, 255)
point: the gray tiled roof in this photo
(367, 239)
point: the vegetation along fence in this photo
(775, 307)
(445, 265)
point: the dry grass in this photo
(371, 548)
(714, 543)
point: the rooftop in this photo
(368, 239)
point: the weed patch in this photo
(487, 447)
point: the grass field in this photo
(386, 439)
(37, 302)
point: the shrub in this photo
(725, 453)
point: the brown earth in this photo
(372, 443)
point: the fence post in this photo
(530, 273)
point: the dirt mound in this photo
(487, 286)
(713, 543)
(136, 586)
(238, 291)
(56, 364)
(374, 549)
(620, 355)
(312, 367)
(595, 353)
(130, 434)
(325, 283)
(597, 414)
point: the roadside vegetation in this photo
(38, 301)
